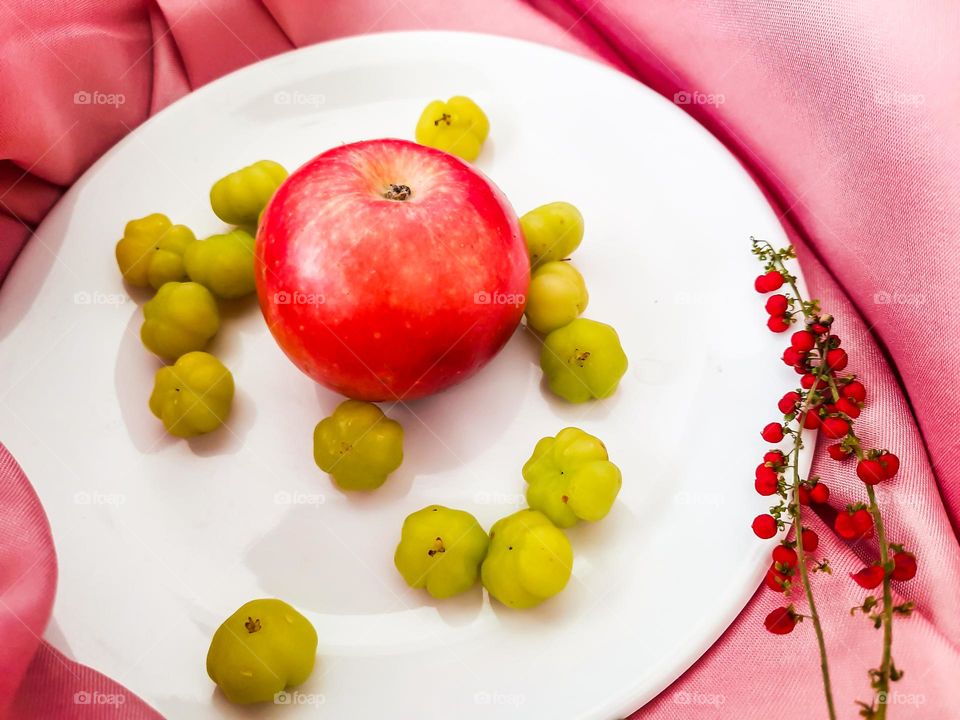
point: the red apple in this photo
(388, 270)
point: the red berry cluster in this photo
(830, 400)
(904, 568)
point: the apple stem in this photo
(398, 192)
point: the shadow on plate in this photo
(449, 429)
(457, 611)
(133, 380)
(21, 288)
(343, 573)
(302, 560)
(228, 439)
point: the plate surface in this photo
(159, 540)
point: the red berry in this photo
(777, 305)
(871, 471)
(766, 482)
(803, 495)
(765, 471)
(765, 487)
(788, 403)
(848, 407)
(774, 457)
(776, 580)
(819, 329)
(891, 464)
(772, 433)
(792, 356)
(774, 280)
(819, 493)
(855, 391)
(869, 577)
(836, 359)
(863, 522)
(844, 525)
(811, 421)
(778, 323)
(781, 621)
(768, 282)
(856, 525)
(803, 340)
(904, 566)
(835, 427)
(785, 555)
(809, 380)
(809, 540)
(764, 526)
(838, 452)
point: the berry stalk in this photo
(881, 680)
(808, 402)
(831, 402)
(805, 580)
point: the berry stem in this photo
(880, 679)
(821, 371)
(798, 534)
(886, 661)
(882, 684)
(805, 580)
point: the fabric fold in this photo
(844, 114)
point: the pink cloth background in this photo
(846, 114)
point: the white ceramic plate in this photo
(159, 540)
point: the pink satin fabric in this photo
(846, 115)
